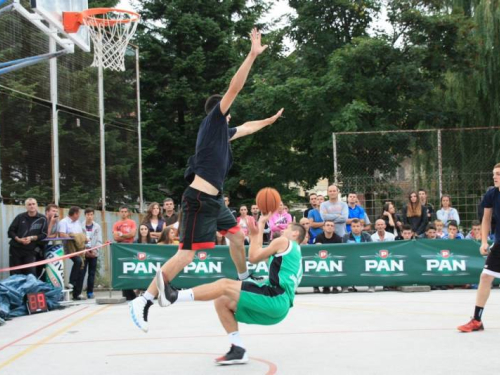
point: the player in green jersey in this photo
(249, 302)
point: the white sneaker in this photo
(139, 308)
(371, 289)
(345, 289)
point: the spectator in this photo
(244, 221)
(307, 225)
(144, 236)
(415, 214)
(94, 239)
(422, 197)
(226, 202)
(366, 220)
(357, 234)
(355, 210)
(25, 233)
(439, 228)
(125, 229)
(453, 233)
(313, 202)
(154, 221)
(430, 233)
(315, 223)
(381, 235)
(335, 210)
(168, 237)
(406, 233)
(52, 216)
(392, 220)
(320, 199)
(475, 233)
(256, 215)
(70, 227)
(279, 221)
(447, 213)
(170, 217)
(328, 235)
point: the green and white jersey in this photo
(285, 270)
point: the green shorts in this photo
(261, 304)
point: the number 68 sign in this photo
(36, 303)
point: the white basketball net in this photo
(110, 35)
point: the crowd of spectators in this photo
(326, 221)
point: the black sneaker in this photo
(235, 356)
(315, 289)
(139, 308)
(326, 290)
(167, 294)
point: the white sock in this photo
(148, 296)
(235, 339)
(185, 295)
(244, 275)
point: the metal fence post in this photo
(440, 163)
(139, 135)
(335, 166)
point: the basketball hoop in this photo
(110, 30)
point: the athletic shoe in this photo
(473, 325)
(315, 289)
(139, 308)
(345, 289)
(235, 356)
(326, 290)
(166, 293)
(90, 295)
(334, 290)
(371, 289)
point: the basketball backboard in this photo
(52, 10)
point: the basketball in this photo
(268, 200)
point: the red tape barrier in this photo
(52, 260)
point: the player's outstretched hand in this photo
(276, 116)
(257, 47)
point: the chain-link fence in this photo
(26, 158)
(387, 166)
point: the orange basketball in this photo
(268, 200)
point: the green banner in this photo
(416, 262)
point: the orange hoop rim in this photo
(89, 16)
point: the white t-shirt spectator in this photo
(68, 226)
(387, 237)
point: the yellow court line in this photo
(48, 338)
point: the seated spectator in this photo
(221, 240)
(430, 233)
(167, 237)
(279, 221)
(357, 234)
(381, 235)
(144, 236)
(25, 233)
(392, 220)
(447, 212)
(475, 233)
(328, 235)
(355, 210)
(439, 228)
(406, 233)
(244, 220)
(306, 224)
(154, 221)
(453, 233)
(415, 214)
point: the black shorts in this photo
(493, 261)
(201, 216)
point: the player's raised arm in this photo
(254, 126)
(241, 75)
(256, 252)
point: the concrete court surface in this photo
(354, 333)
